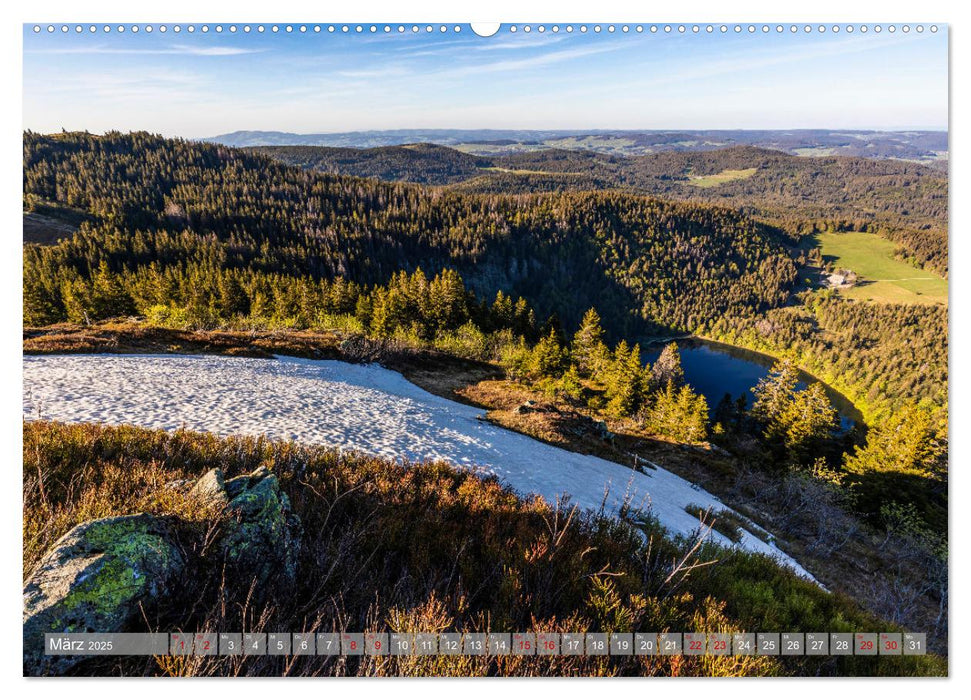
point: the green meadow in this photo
(884, 278)
(721, 178)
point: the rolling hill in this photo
(650, 264)
(924, 146)
(902, 201)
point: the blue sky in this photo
(201, 84)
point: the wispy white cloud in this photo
(336, 83)
(466, 64)
(126, 87)
(395, 71)
(215, 50)
(178, 49)
(767, 58)
(532, 62)
(526, 42)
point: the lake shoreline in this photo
(436, 372)
(849, 411)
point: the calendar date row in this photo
(490, 643)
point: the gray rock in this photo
(97, 578)
(260, 535)
(101, 574)
(236, 486)
(210, 490)
(602, 431)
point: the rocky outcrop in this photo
(98, 578)
(210, 491)
(260, 535)
(104, 574)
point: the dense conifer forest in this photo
(423, 163)
(191, 209)
(217, 232)
(905, 201)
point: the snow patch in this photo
(365, 408)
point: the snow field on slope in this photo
(364, 408)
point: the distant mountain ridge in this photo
(390, 137)
(918, 145)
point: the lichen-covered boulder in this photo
(260, 534)
(98, 578)
(210, 490)
(235, 487)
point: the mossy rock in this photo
(210, 491)
(260, 534)
(97, 578)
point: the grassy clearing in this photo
(815, 151)
(45, 230)
(424, 547)
(597, 143)
(721, 178)
(485, 149)
(884, 277)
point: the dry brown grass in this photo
(420, 547)
(857, 565)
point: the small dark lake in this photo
(714, 369)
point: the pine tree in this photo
(809, 420)
(364, 311)
(726, 416)
(554, 326)
(570, 384)
(906, 443)
(233, 300)
(448, 300)
(667, 368)
(588, 350)
(108, 296)
(774, 393)
(549, 357)
(502, 311)
(679, 414)
(693, 412)
(262, 295)
(42, 304)
(525, 320)
(795, 421)
(624, 380)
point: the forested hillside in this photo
(904, 201)
(221, 231)
(925, 146)
(420, 162)
(192, 209)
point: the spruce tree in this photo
(588, 350)
(667, 368)
(549, 358)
